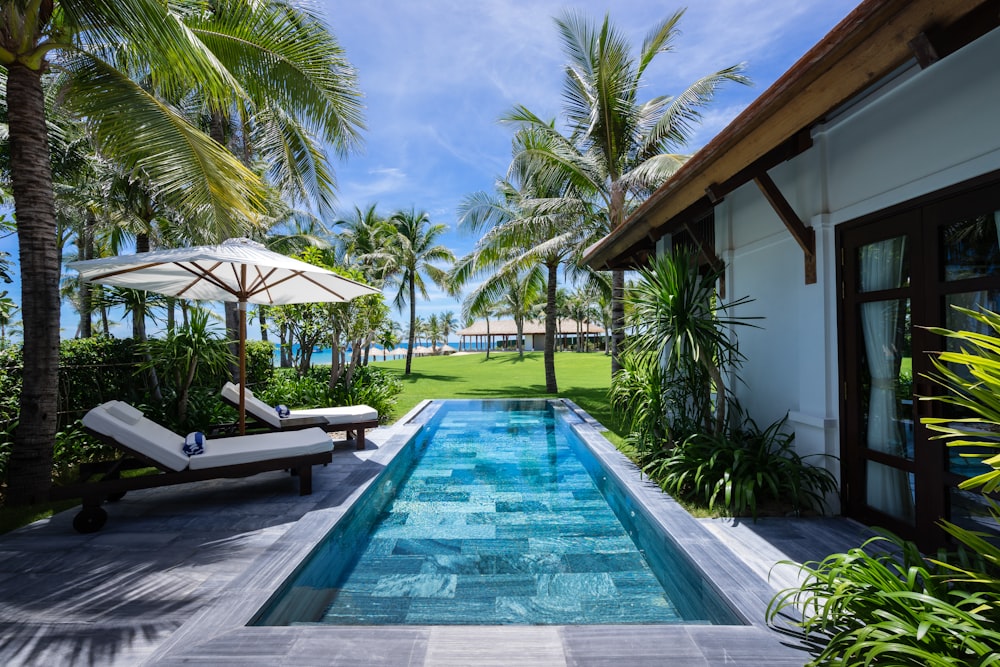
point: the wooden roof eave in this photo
(871, 42)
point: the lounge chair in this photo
(351, 418)
(148, 444)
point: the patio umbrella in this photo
(238, 270)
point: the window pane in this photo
(971, 510)
(890, 491)
(886, 377)
(958, 321)
(884, 265)
(970, 248)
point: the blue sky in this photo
(437, 75)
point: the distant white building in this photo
(855, 200)
(503, 334)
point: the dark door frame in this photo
(919, 220)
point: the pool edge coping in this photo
(226, 619)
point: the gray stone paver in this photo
(178, 571)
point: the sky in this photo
(437, 75)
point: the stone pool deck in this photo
(175, 571)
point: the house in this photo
(504, 332)
(855, 201)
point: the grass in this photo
(582, 378)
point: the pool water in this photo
(497, 520)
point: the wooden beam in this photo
(804, 236)
(714, 193)
(866, 46)
(709, 253)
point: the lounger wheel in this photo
(90, 520)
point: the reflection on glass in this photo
(958, 321)
(971, 511)
(970, 247)
(884, 265)
(968, 461)
(890, 491)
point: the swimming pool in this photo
(496, 513)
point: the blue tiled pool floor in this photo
(502, 527)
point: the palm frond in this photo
(187, 168)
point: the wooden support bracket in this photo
(924, 50)
(709, 253)
(804, 236)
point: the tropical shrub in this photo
(637, 397)
(740, 470)
(370, 386)
(885, 604)
(287, 387)
(681, 331)
(194, 353)
(74, 446)
(900, 608)
(94, 370)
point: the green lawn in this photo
(582, 378)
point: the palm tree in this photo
(434, 331)
(388, 336)
(449, 324)
(132, 126)
(519, 297)
(529, 222)
(620, 148)
(409, 255)
(360, 239)
(286, 126)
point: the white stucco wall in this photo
(920, 132)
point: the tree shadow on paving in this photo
(111, 597)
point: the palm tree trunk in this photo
(285, 345)
(171, 313)
(262, 319)
(139, 324)
(413, 323)
(617, 317)
(551, 386)
(87, 252)
(29, 474)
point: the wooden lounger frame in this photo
(255, 424)
(112, 487)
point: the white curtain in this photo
(882, 268)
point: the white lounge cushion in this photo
(348, 414)
(254, 406)
(261, 447)
(145, 437)
(124, 411)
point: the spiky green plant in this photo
(899, 607)
(884, 604)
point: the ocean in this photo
(324, 356)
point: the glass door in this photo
(901, 273)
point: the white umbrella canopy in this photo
(237, 270)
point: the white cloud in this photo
(438, 75)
